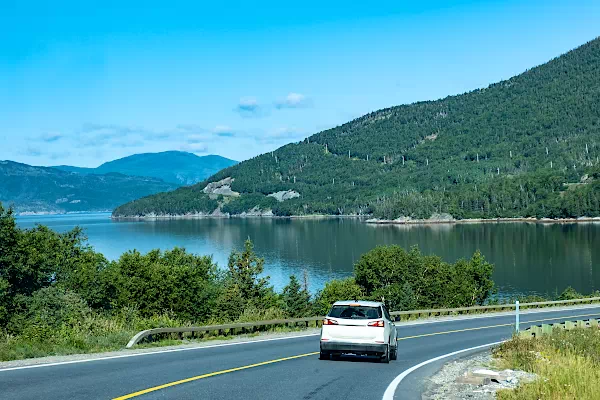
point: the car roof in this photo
(360, 302)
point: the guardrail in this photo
(545, 329)
(478, 309)
(242, 327)
(250, 327)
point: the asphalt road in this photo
(272, 369)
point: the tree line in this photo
(57, 294)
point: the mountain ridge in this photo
(171, 166)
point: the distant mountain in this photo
(44, 189)
(177, 167)
(527, 146)
(79, 170)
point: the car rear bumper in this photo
(356, 348)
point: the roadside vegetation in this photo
(59, 296)
(567, 363)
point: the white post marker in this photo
(517, 316)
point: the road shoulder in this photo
(186, 346)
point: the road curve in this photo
(272, 369)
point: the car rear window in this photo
(355, 312)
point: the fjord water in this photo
(529, 258)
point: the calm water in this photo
(529, 258)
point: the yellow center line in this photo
(494, 326)
(195, 378)
(226, 371)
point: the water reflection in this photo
(530, 258)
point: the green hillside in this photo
(528, 146)
(177, 167)
(42, 189)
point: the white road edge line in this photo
(391, 389)
(152, 352)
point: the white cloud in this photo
(248, 104)
(293, 100)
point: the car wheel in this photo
(324, 355)
(385, 358)
(394, 353)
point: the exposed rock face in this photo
(285, 195)
(222, 187)
(218, 213)
(256, 212)
(441, 217)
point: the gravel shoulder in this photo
(472, 378)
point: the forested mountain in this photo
(43, 189)
(177, 167)
(527, 146)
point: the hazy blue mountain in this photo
(79, 170)
(44, 189)
(177, 167)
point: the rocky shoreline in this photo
(371, 221)
(249, 214)
(408, 221)
(44, 213)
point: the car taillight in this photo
(328, 321)
(379, 324)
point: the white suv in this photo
(361, 328)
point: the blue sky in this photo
(86, 82)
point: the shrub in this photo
(407, 279)
(161, 282)
(336, 290)
(569, 294)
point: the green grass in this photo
(104, 332)
(567, 363)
